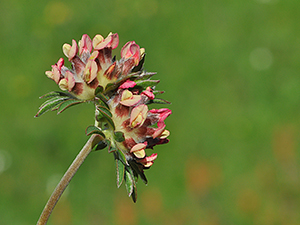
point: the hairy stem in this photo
(65, 180)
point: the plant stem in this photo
(65, 180)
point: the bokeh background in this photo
(231, 70)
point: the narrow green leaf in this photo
(101, 103)
(120, 167)
(54, 94)
(66, 104)
(119, 136)
(50, 104)
(156, 92)
(133, 190)
(129, 182)
(94, 130)
(100, 95)
(53, 100)
(104, 110)
(158, 101)
(122, 157)
(134, 193)
(144, 75)
(147, 83)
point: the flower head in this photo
(121, 92)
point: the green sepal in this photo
(50, 104)
(68, 103)
(55, 94)
(119, 136)
(94, 130)
(120, 169)
(104, 112)
(158, 101)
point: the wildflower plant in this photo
(121, 91)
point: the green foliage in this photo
(68, 103)
(58, 100)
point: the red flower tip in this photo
(127, 84)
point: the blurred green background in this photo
(230, 69)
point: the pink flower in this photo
(132, 117)
(121, 92)
(93, 65)
(131, 51)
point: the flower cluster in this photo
(121, 91)
(133, 118)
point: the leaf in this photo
(122, 157)
(129, 182)
(158, 101)
(52, 100)
(156, 92)
(101, 103)
(50, 104)
(94, 130)
(147, 83)
(54, 94)
(134, 194)
(104, 110)
(66, 104)
(144, 75)
(120, 168)
(99, 94)
(106, 114)
(119, 136)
